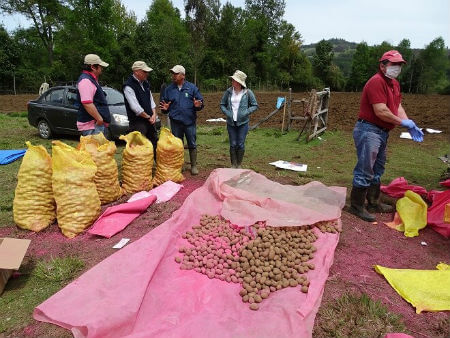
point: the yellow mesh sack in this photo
(107, 176)
(169, 158)
(34, 206)
(412, 210)
(77, 201)
(137, 163)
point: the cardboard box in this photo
(12, 251)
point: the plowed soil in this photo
(429, 111)
(361, 244)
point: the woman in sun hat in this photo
(237, 103)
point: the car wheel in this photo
(44, 129)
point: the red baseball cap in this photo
(392, 56)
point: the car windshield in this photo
(114, 97)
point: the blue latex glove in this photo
(407, 123)
(416, 134)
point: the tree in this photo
(269, 11)
(361, 68)
(222, 57)
(406, 76)
(163, 41)
(45, 15)
(322, 60)
(9, 57)
(94, 26)
(200, 14)
(434, 65)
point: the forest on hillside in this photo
(211, 40)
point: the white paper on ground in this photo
(433, 131)
(220, 119)
(406, 135)
(289, 165)
(121, 243)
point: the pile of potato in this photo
(277, 258)
(262, 259)
(215, 248)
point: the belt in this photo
(373, 124)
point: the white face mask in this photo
(393, 71)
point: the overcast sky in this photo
(420, 21)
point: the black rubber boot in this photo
(373, 197)
(358, 198)
(240, 156)
(233, 157)
(193, 158)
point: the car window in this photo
(72, 97)
(55, 96)
(113, 96)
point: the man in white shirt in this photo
(141, 108)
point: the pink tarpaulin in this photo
(163, 192)
(445, 183)
(117, 217)
(399, 186)
(435, 215)
(141, 292)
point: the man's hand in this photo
(416, 134)
(99, 122)
(152, 118)
(407, 123)
(197, 103)
(163, 105)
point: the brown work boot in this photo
(358, 198)
(373, 199)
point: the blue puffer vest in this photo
(99, 102)
(143, 97)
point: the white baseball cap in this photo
(178, 69)
(94, 59)
(142, 66)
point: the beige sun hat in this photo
(142, 66)
(178, 69)
(239, 77)
(94, 59)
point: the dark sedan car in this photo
(55, 112)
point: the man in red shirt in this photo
(380, 111)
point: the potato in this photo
(254, 307)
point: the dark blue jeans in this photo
(370, 142)
(180, 130)
(237, 135)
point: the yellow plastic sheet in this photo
(77, 201)
(107, 176)
(426, 290)
(169, 158)
(34, 206)
(137, 163)
(413, 213)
